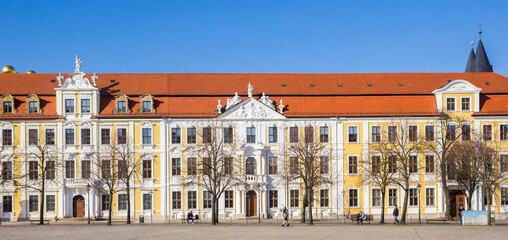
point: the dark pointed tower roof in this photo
(470, 60)
(481, 62)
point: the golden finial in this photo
(8, 69)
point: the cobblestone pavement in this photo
(80, 230)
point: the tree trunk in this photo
(469, 198)
(383, 194)
(214, 208)
(404, 205)
(129, 204)
(110, 207)
(489, 203)
(217, 210)
(310, 202)
(446, 191)
(304, 205)
(41, 209)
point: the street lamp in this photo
(343, 202)
(88, 195)
(419, 213)
(151, 205)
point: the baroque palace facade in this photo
(162, 115)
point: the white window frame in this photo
(110, 135)
(499, 126)
(149, 125)
(446, 104)
(357, 165)
(51, 127)
(491, 132)
(65, 137)
(380, 132)
(357, 133)
(417, 132)
(349, 196)
(470, 104)
(425, 132)
(435, 198)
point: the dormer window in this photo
(146, 104)
(69, 105)
(85, 105)
(122, 104)
(33, 107)
(33, 104)
(8, 104)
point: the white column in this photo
(339, 163)
(164, 167)
(366, 188)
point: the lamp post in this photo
(419, 213)
(88, 195)
(151, 205)
(343, 201)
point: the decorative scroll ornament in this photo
(233, 101)
(266, 101)
(77, 80)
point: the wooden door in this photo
(251, 204)
(78, 206)
(460, 200)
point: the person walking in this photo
(285, 216)
(461, 208)
(396, 214)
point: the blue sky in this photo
(251, 36)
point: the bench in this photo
(184, 220)
(35, 222)
(441, 220)
(368, 218)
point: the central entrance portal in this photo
(252, 204)
(78, 206)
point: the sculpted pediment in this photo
(458, 86)
(250, 109)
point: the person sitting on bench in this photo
(190, 216)
(361, 218)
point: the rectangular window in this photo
(33, 201)
(272, 165)
(147, 106)
(69, 105)
(323, 134)
(32, 107)
(85, 105)
(376, 134)
(176, 136)
(122, 201)
(293, 134)
(353, 164)
(51, 170)
(413, 133)
(147, 135)
(274, 198)
(121, 135)
(147, 169)
(191, 166)
(177, 200)
(105, 136)
(228, 199)
(429, 133)
(207, 135)
(294, 198)
(466, 104)
(106, 169)
(487, 132)
(413, 164)
(191, 200)
(33, 136)
(392, 197)
(207, 199)
(6, 171)
(50, 203)
(451, 133)
(228, 135)
(353, 197)
(503, 159)
(251, 135)
(450, 104)
(293, 165)
(85, 136)
(7, 137)
(191, 135)
(33, 170)
(352, 134)
(323, 198)
(413, 197)
(147, 201)
(123, 169)
(392, 164)
(50, 136)
(228, 165)
(392, 133)
(272, 134)
(429, 164)
(376, 197)
(376, 164)
(324, 165)
(121, 106)
(504, 131)
(69, 169)
(176, 166)
(429, 197)
(504, 196)
(207, 162)
(7, 107)
(7, 204)
(105, 202)
(69, 136)
(309, 134)
(466, 132)
(86, 169)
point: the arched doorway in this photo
(78, 206)
(252, 204)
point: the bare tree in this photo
(304, 165)
(128, 167)
(8, 163)
(446, 136)
(220, 168)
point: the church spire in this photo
(481, 61)
(470, 60)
